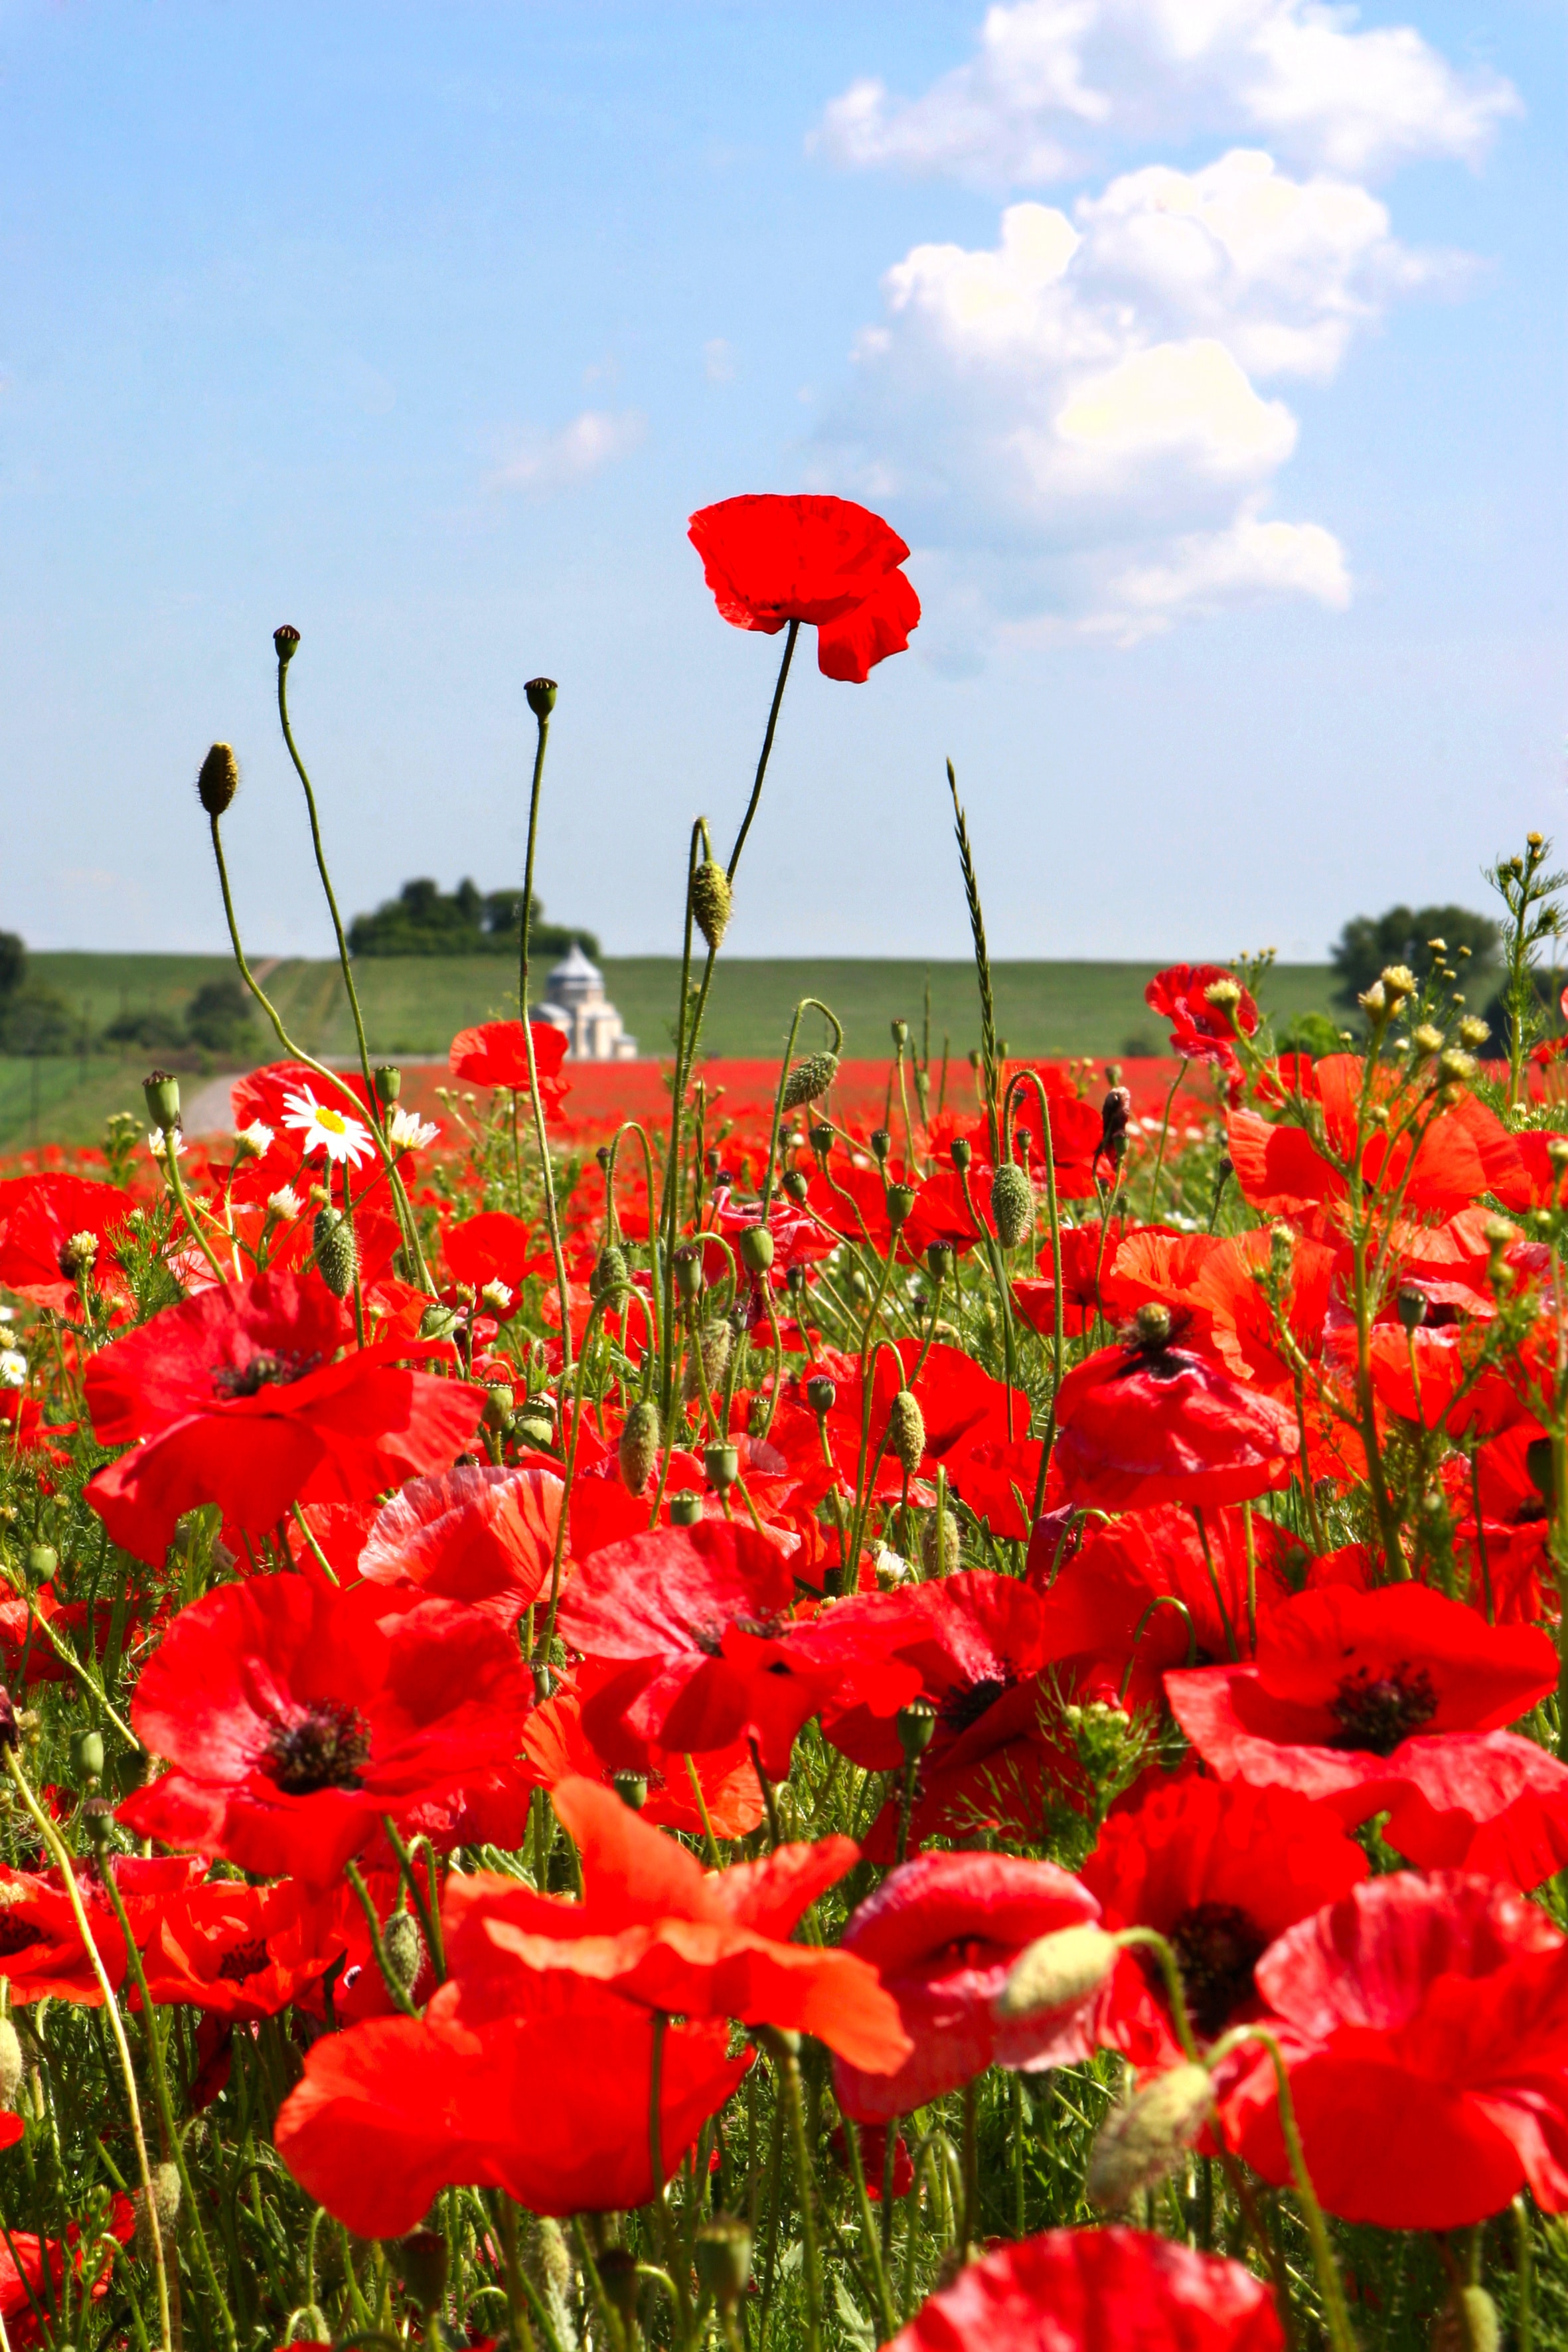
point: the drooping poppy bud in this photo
(639, 1447)
(1056, 1971)
(1141, 2142)
(712, 902)
(1012, 1204)
(810, 1079)
(906, 1432)
(724, 2259)
(716, 1341)
(337, 1254)
(405, 1947)
(610, 1280)
(940, 1545)
(217, 780)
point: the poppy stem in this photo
(56, 1847)
(663, 2223)
(716, 1859)
(427, 1903)
(1214, 1586)
(1160, 1149)
(1335, 2312)
(787, 2059)
(396, 1987)
(767, 748)
(870, 2236)
(774, 1830)
(551, 1218)
(1524, 2264)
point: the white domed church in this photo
(576, 1002)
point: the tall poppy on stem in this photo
(826, 561)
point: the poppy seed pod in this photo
(757, 1249)
(500, 1403)
(916, 1726)
(631, 1787)
(540, 693)
(388, 1083)
(337, 1255)
(12, 2065)
(899, 1204)
(724, 2259)
(639, 1447)
(1468, 2322)
(796, 1185)
(287, 640)
(1012, 1204)
(881, 1144)
(821, 1138)
(87, 1756)
(941, 1258)
(1056, 1971)
(685, 1510)
(161, 1090)
(720, 1466)
(906, 1432)
(712, 902)
(217, 780)
(961, 1151)
(810, 1079)
(900, 1036)
(618, 2277)
(405, 1947)
(1151, 1323)
(160, 2212)
(1141, 2142)
(686, 1259)
(820, 1394)
(42, 1562)
(1411, 1305)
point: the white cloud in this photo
(543, 462)
(1053, 78)
(1070, 422)
(717, 361)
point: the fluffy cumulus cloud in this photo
(1052, 79)
(539, 462)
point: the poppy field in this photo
(757, 1728)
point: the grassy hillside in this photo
(414, 1004)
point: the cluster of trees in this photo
(424, 919)
(36, 1021)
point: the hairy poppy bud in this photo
(337, 1254)
(900, 1205)
(1468, 2322)
(1012, 1204)
(881, 1144)
(940, 1552)
(724, 2259)
(720, 1466)
(810, 1079)
(540, 693)
(713, 902)
(161, 2213)
(388, 1082)
(12, 2065)
(685, 1510)
(906, 1432)
(717, 1339)
(916, 1726)
(1140, 2142)
(631, 1787)
(420, 2262)
(217, 780)
(161, 1090)
(610, 1280)
(87, 1756)
(820, 1394)
(640, 1445)
(757, 1249)
(1056, 1971)
(405, 1947)
(287, 640)
(796, 1185)
(961, 1151)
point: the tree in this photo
(219, 1016)
(13, 964)
(1369, 942)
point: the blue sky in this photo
(1214, 377)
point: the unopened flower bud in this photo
(164, 2211)
(940, 1545)
(1012, 1204)
(87, 1756)
(1427, 1039)
(610, 1280)
(420, 2262)
(756, 1249)
(809, 1079)
(540, 693)
(906, 1432)
(1141, 2142)
(287, 640)
(337, 1254)
(639, 1448)
(1373, 1000)
(161, 1090)
(1398, 982)
(717, 1339)
(916, 1726)
(713, 902)
(724, 2259)
(405, 1947)
(217, 780)
(685, 1509)
(1056, 1971)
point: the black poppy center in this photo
(243, 1960)
(265, 1369)
(16, 1935)
(323, 1746)
(1376, 1711)
(963, 1707)
(1216, 1947)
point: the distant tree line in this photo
(424, 919)
(36, 1021)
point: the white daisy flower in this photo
(158, 1144)
(322, 1129)
(406, 1132)
(497, 1295)
(285, 1204)
(257, 1138)
(13, 1369)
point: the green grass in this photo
(413, 1005)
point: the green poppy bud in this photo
(1143, 2141)
(906, 1432)
(1012, 1204)
(755, 1248)
(337, 1254)
(161, 1090)
(810, 1079)
(712, 902)
(639, 1448)
(405, 1947)
(1056, 1971)
(219, 780)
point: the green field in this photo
(414, 1004)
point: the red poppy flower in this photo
(479, 1533)
(495, 1054)
(1098, 2291)
(556, 1748)
(39, 1215)
(1088, 1263)
(26, 1653)
(1425, 2024)
(236, 1950)
(1156, 1423)
(234, 1397)
(41, 1952)
(1220, 1870)
(871, 2141)
(654, 1927)
(942, 1932)
(826, 561)
(1343, 1679)
(295, 1716)
(494, 1248)
(972, 1644)
(700, 1616)
(1464, 1152)
(544, 2094)
(1201, 1031)
(25, 2259)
